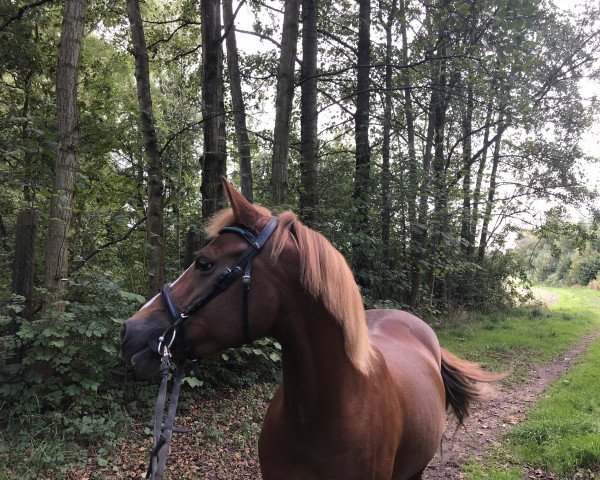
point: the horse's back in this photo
(413, 356)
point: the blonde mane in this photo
(325, 274)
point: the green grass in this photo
(561, 434)
(526, 335)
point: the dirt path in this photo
(488, 422)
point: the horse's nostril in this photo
(123, 331)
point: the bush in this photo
(595, 283)
(61, 359)
(584, 267)
(498, 282)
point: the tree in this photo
(386, 210)
(57, 250)
(239, 108)
(308, 114)
(155, 233)
(283, 102)
(361, 130)
(214, 157)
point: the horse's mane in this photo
(324, 273)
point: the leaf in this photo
(193, 382)
(131, 296)
(275, 357)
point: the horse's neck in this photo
(318, 377)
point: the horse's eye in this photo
(203, 265)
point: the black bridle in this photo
(162, 343)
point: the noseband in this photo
(222, 282)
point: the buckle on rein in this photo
(162, 432)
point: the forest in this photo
(437, 144)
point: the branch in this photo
(96, 251)
(21, 11)
(262, 36)
(230, 26)
(171, 35)
(270, 139)
(191, 126)
(183, 54)
(173, 136)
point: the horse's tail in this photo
(466, 382)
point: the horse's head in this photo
(209, 307)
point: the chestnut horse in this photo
(364, 393)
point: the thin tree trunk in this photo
(213, 109)
(480, 171)
(283, 101)
(361, 134)
(155, 254)
(467, 127)
(413, 181)
(237, 100)
(308, 114)
(71, 39)
(421, 230)
(386, 209)
(24, 261)
(489, 206)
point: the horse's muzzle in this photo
(137, 336)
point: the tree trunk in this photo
(491, 192)
(413, 181)
(480, 171)
(386, 210)
(71, 39)
(308, 114)
(214, 158)
(361, 134)
(155, 242)
(422, 231)
(467, 127)
(283, 102)
(237, 100)
(24, 261)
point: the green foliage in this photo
(498, 282)
(242, 367)
(560, 253)
(585, 267)
(63, 359)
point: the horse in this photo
(364, 393)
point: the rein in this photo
(162, 342)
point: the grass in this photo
(561, 434)
(526, 335)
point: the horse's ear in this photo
(243, 211)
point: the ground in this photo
(224, 431)
(488, 422)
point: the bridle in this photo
(162, 342)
